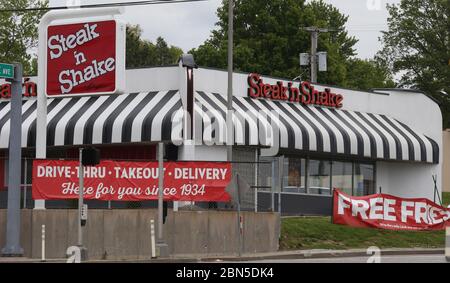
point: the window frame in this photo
(307, 158)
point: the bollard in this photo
(43, 244)
(447, 242)
(152, 229)
(241, 225)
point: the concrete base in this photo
(83, 254)
(447, 253)
(162, 250)
(39, 204)
(12, 252)
(126, 234)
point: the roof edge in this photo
(286, 79)
(410, 91)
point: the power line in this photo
(118, 4)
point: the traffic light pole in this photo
(83, 250)
(161, 245)
(80, 198)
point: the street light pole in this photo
(230, 81)
(230, 132)
(160, 191)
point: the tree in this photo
(138, 52)
(19, 32)
(268, 38)
(367, 74)
(143, 53)
(417, 45)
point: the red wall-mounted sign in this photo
(305, 93)
(29, 90)
(85, 58)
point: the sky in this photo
(188, 25)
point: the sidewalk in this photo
(304, 254)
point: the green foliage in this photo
(19, 33)
(367, 74)
(319, 233)
(268, 40)
(417, 45)
(143, 53)
(446, 199)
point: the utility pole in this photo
(314, 42)
(230, 81)
(315, 31)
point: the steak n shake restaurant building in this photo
(329, 137)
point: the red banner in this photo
(388, 212)
(132, 181)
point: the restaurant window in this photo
(294, 180)
(342, 176)
(364, 179)
(353, 178)
(319, 177)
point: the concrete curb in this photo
(315, 254)
(308, 254)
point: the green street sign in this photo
(6, 71)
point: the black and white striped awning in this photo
(316, 129)
(127, 118)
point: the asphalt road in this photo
(384, 259)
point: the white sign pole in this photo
(152, 235)
(43, 244)
(47, 19)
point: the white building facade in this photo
(387, 140)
